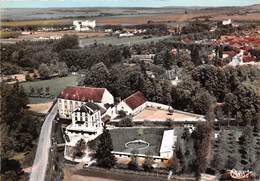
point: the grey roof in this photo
(89, 108)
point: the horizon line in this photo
(126, 7)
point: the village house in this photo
(73, 97)
(133, 104)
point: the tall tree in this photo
(103, 153)
(202, 145)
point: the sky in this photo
(121, 3)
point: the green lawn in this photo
(56, 86)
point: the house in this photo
(87, 116)
(144, 57)
(227, 22)
(86, 124)
(84, 25)
(133, 104)
(127, 34)
(73, 97)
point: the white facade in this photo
(227, 22)
(87, 125)
(85, 121)
(67, 106)
(124, 107)
(126, 35)
(84, 25)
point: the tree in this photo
(80, 148)
(195, 58)
(133, 164)
(66, 42)
(148, 164)
(164, 58)
(103, 153)
(202, 101)
(28, 77)
(13, 102)
(44, 71)
(47, 90)
(32, 91)
(98, 75)
(121, 114)
(175, 166)
(126, 122)
(202, 146)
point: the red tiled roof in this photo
(135, 100)
(249, 58)
(82, 94)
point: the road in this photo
(42, 154)
(71, 173)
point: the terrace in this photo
(156, 114)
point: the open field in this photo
(56, 85)
(118, 41)
(61, 33)
(37, 23)
(5, 34)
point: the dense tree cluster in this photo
(19, 128)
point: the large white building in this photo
(86, 124)
(84, 25)
(73, 97)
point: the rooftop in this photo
(89, 107)
(135, 100)
(168, 141)
(83, 94)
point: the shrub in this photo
(126, 122)
(147, 165)
(133, 165)
(121, 114)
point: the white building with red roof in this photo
(133, 104)
(73, 97)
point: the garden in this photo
(45, 90)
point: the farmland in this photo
(4, 34)
(39, 23)
(118, 41)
